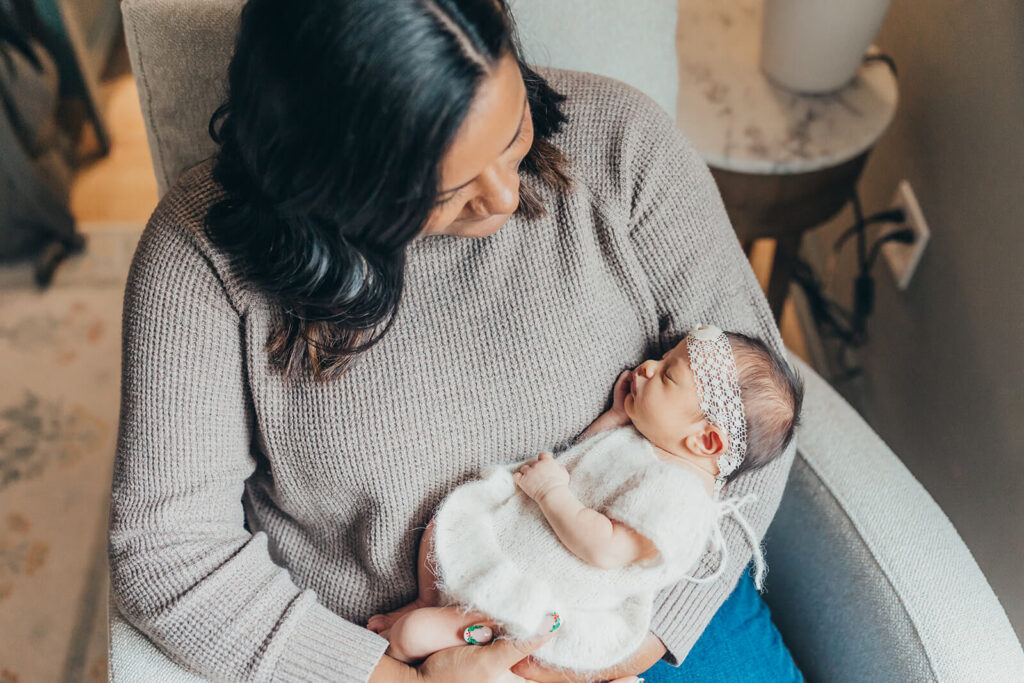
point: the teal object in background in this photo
(81, 34)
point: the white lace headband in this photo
(718, 390)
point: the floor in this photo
(119, 189)
(59, 429)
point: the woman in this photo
(411, 256)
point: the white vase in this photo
(816, 46)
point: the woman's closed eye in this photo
(443, 202)
(451, 197)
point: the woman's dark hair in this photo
(337, 117)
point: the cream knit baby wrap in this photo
(495, 552)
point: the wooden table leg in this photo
(786, 249)
(782, 207)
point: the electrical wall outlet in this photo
(903, 258)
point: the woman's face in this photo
(480, 171)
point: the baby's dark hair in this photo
(772, 395)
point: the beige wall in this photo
(944, 369)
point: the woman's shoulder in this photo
(612, 97)
(174, 240)
(612, 133)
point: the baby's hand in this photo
(541, 476)
(622, 386)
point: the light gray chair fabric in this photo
(133, 658)
(868, 579)
(631, 40)
(179, 51)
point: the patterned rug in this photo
(59, 400)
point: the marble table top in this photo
(739, 120)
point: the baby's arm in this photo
(607, 420)
(591, 536)
(614, 416)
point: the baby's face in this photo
(662, 401)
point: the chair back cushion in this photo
(631, 40)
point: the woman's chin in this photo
(481, 228)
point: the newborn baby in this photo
(583, 541)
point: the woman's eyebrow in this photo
(522, 120)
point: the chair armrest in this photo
(868, 578)
(133, 657)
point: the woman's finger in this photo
(512, 678)
(503, 654)
(477, 634)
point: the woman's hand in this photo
(646, 656)
(480, 663)
(539, 477)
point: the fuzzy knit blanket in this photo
(495, 551)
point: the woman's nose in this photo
(500, 192)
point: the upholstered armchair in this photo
(869, 581)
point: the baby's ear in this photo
(708, 443)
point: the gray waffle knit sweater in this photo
(257, 523)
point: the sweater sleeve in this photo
(697, 273)
(184, 569)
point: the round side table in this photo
(784, 162)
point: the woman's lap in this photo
(740, 644)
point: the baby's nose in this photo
(645, 369)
